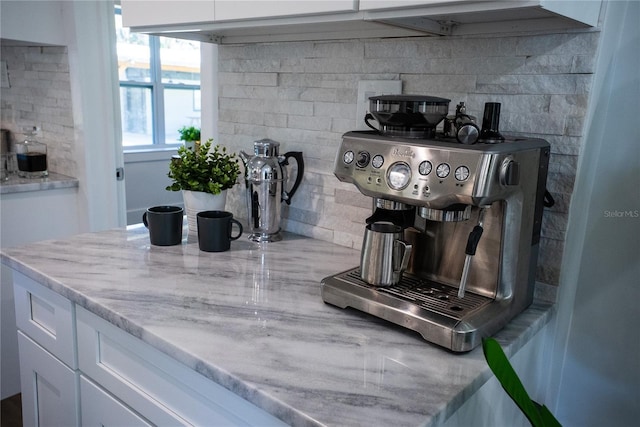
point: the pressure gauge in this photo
(425, 168)
(462, 173)
(348, 157)
(377, 161)
(443, 170)
(399, 175)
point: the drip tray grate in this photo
(431, 296)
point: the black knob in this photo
(363, 159)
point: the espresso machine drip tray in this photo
(431, 309)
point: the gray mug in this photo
(384, 256)
(164, 224)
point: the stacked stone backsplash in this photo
(40, 95)
(303, 95)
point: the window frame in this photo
(157, 87)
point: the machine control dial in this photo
(348, 157)
(377, 161)
(363, 159)
(510, 172)
(443, 170)
(462, 173)
(425, 168)
(399, 175)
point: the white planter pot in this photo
(198, 201)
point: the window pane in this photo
(136, 115)
(180, 61)
(181, 108)
(133, 54)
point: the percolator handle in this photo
(368, 117)
(300, 162)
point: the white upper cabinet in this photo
(257, 9)
(248, 21)
(475, 16)
(143, 13)
(397, 4)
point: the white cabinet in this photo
(49, 393)
(38, 209)
(46, 345)
(142, 13)
(46, 317)
(256, 21)
(149, 13)
(259, 9)
(155, 385)
(477, 16)
(77, 369)
(399, 4)
(100, 409)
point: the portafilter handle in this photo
(470, 251)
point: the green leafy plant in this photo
(189, 133)
(537, 414)
(203, 169)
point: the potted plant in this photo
(204, 175)
(190, 135)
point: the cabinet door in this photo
(49, 393)
(100, 409)
(398, 4)
(142, 13)
(156, 386)
(46, 317)
(255, 9)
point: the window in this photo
(159, 86)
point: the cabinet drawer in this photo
(46, 317)
(153, 384)
(49, 393)
(100, 409)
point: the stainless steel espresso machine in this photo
(470, 219)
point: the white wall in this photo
(596, 367)
(304, 95)
(87, 31)
(146, 180)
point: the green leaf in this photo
(538, 415)
(205, 169)
(189, 133)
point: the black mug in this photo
(164, 224)
(215, 230)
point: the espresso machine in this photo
(470, 217)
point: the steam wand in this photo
(470, 251)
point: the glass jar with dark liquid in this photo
(32, 159)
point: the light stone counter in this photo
(252, 319)
(16, 184)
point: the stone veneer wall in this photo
(303, 94)
(40, 95)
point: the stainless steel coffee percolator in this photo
(266, 180)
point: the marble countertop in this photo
(16, 184)
(252, 319)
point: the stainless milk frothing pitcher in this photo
(384, 256)
(266, 180)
